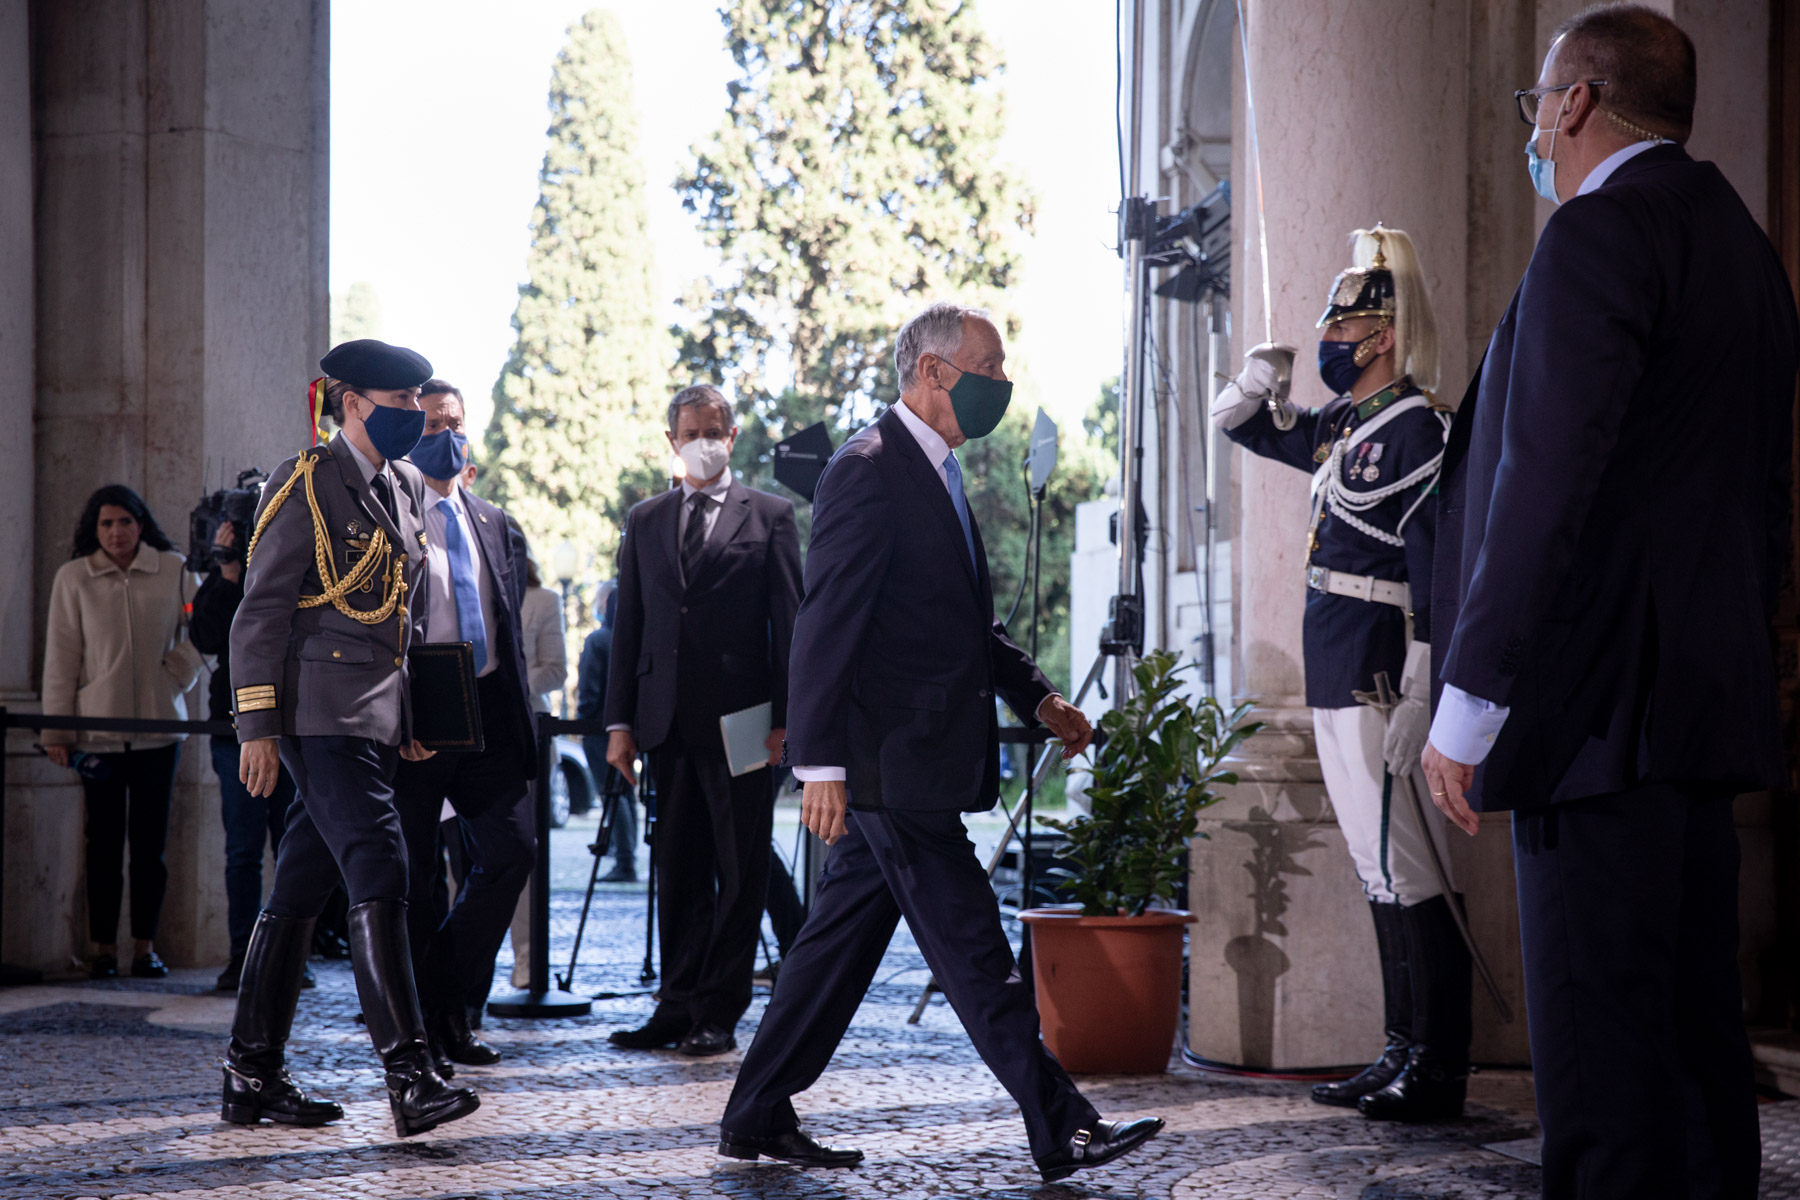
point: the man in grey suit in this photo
(318, 657)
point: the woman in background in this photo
(117, 646)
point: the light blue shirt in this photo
(1465, 726)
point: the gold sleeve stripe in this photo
(256, 699)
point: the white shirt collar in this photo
(369, 469)
(1600, 174)
(935, 447)
(715, 491)
(455, 499)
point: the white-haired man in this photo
(891, 725)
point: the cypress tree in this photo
(573, 442)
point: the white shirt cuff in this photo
(1465, 726)
(1047, 699)
(819, 774)
(616, 728)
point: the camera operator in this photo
(248, 819)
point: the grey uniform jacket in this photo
(310, 670)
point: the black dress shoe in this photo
(307, 978)
(706, 1041)
(450, 1032)
(790, 1147)
(623, 873)
(148, 966)
(658, 1033)
(105, 967)
(1106, 1141)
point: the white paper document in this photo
(746, 734)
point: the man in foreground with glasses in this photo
(1610, 541)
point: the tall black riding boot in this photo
(1397, 1006)
(1432, 1084)
(256, 1080)
(418, 1095)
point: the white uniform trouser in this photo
(1379, 820)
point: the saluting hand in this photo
(1068, 723)
(822, 805)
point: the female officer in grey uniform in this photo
(1374, 453)
(318, 657)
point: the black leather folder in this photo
(446, 716)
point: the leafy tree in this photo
(854, 179)
(573, 442)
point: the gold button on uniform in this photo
(396, 662)
(337, 654)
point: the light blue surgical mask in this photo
(1543, 170)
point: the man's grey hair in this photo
(938, 330)
(697, 396)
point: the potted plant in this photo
(1108, 969)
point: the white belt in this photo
(1360, 587)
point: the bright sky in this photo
(434, 169)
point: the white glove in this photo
(1231, 407)
(1409, 725)
(1253, 388)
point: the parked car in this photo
(572, 789)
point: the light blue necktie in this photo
(463, 585)
(953, 477)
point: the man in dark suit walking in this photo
(709, 580)
(474, 581)
(1610, 541)
(897, 658)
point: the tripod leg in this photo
(596, 849)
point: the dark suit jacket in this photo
(686, 652)
(1615, 505)
(897, 655)
(503, 558)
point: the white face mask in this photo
(705, 457)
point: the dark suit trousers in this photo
(920, 865)
(342, 820)
(453, 955)
(1628, 916)
(712, 873)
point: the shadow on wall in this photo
(1256, 960)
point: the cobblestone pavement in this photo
(112, 1090)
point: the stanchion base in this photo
(540, 1004)
(11, 976)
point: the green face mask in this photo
(979, 402)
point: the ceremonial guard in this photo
(1374, 453)
(318, 657)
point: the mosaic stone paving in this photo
(111, 1090)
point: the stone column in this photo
(1361, 114)
(16, 352)
(180, 273)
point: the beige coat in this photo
(118, 646)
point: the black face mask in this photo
(1337, 366)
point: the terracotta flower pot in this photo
(1108, 988)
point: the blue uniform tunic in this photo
(1347, 640)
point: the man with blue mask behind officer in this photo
(335, 563)
(1614, 531)
(475, 578)
(892, 729)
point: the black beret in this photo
(372, 364)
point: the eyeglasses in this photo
(1528, 98)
